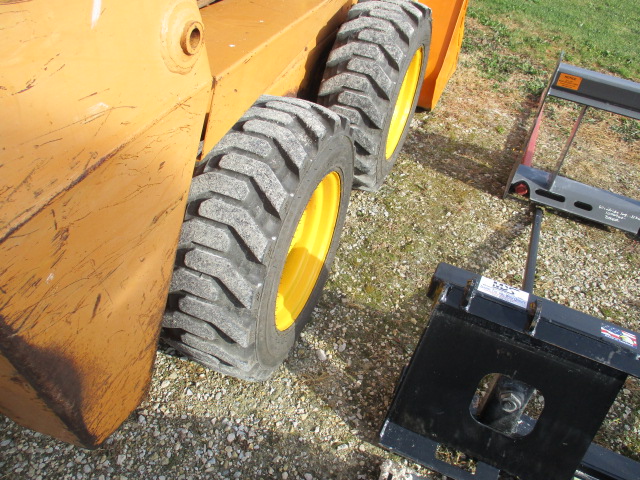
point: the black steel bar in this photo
(532, 256)
(422, 449)
(603, 464)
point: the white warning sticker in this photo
(503, 292)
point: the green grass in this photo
(596, 34)
(629, 129)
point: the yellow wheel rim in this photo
(404, 103)
(308, 251)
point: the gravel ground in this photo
(319, 416)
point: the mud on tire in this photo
(373, 77)
(260, 191)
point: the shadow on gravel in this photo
(357, 382)
(492, 248)
(471, 163)
(153, 444)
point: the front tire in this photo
(262, 227)
(373, 77)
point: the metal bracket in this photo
(604, 92)
(568, 356)
(585, 201)
(590, 89)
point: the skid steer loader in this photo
(183, 169)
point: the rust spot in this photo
(45, 143)
(29, 85)
(55, 377)
(17, 381)
(95, 307)
(90, 95)
(61, 237)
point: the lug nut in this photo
(510, 402)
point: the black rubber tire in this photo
(242, 213)
(364, 74)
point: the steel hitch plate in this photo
(570, 364)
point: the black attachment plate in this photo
(479, 327)
(604, 464)
(422, 450)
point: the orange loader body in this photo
(105, 107)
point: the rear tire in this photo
(271, 198)
(373, 77)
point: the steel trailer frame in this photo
(591, 90)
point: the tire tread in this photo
(234, 213)
(364, 73)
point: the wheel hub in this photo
(308, 251)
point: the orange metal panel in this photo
(264, 46)
(107, 103)
(21, 402)
(73, 78)
(446, 39)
